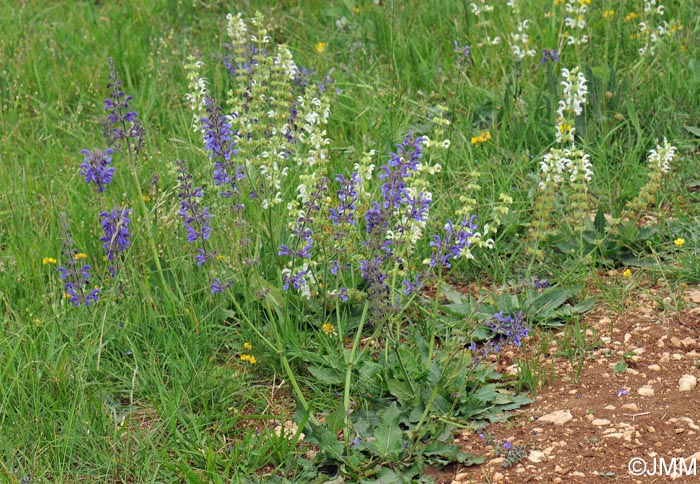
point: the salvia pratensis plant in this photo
(96, 168)
(73, 271)
(116, 238)
(122, 126)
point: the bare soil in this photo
(617, 426)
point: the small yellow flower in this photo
(565, 128)
(221, 258)
(80, 255)
(356, 10)
(146, 198)
(252, 360)
(631, 16)
(609, 14)
(328, 328)
(48, 260)
(247, 346)
(627, 273)
(245, 357)
(320, 47)
(482, 138)
(679, 242)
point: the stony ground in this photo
(609, 426)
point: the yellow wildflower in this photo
(252, 360)
(627, 273)
(565, 128)
(482, 138)
(248, 346)
(631, 16)
(356, 10)
(328, 328)
(221, 258)
(320, 47)
(609, 14)
(80, 255)
(146, 198)
(48, 260)
(679, 242)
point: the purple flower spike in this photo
(116, 227)
(121, 124)
(549, 55)
(95, 168)
(348, 197)
(465, 50)
(218, 287)
(195, 218)
(76, 278)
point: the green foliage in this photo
(552, 306)
(148, 385)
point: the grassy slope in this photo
(60, 409)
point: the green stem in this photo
(436, 302)
(295, 384)
(350, 365)
(428, 406)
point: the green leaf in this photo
(452, 294)
(620, 367)
(634, 119)
(370, 377)
(584, 306)
(326, 440)
(273, 294)
(327, 376)
(692, 130)
(458, 309)
(387, 476)
(401, 390)
(600, 223)
(548, 301)
(388, 436)
(336, 419)
(441, 454)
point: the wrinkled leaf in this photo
(327, 376)
(401, 390)
(548, 301)
(388, 436)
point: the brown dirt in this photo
(613, 420)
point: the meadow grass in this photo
(148, 384)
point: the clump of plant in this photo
(659, 161)
(311, 266)
(566, 171)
